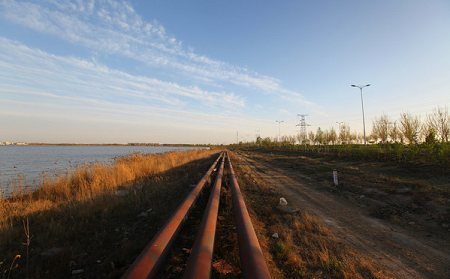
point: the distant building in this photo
(13, 143)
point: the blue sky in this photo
(203, 71)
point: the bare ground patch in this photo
(395, 219)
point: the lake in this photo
(29, 162)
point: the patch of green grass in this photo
(281, 250)
(334, 267)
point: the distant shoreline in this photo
(105, 144)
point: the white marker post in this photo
(335, 178)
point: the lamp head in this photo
(353, 85)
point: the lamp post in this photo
(362, 105)
(279, 130)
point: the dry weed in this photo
(84, 214)
(305, 247)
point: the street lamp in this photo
(362, 105)
(279, 130)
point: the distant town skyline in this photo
(203, 72)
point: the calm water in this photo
(31, 162)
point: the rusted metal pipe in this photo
(151, 258)
(200, 261)
(252, 258)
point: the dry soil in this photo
(382, 219)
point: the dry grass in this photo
(91, 214)
(99, 232)
(306, 247)
(90, 180)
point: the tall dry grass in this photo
(91, 213)
(87, 181)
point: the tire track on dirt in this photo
(392, 248)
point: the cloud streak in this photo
(92, 78)
(114, 28)
(69, 76)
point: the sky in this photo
(199, 72)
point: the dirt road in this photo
(405, 253)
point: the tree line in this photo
(408, 129)
(408, 139)
(411, 129)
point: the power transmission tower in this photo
(302, 125)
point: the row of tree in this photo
(321, 137)
(410, 129)
(407, 129)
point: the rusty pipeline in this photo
(252, 259)
(151, 258)
(200, 261)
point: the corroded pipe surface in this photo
(150, 260)
(252, 259)
(200, 261)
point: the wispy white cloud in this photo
(188, 92)
(69, 76)
(115, 28)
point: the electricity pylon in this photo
(302, 125)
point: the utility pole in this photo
(302, 125)
(279, 130)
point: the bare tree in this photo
(284, 139)
(394, 133)
(266, 141)
(332, 136)
(302, 138)
(410, 127)
(319, 136)
(326, 137)
(353, 138)
(311, 137)
(344, 134)
(381, 128)
(439, 122)
(291, 140)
